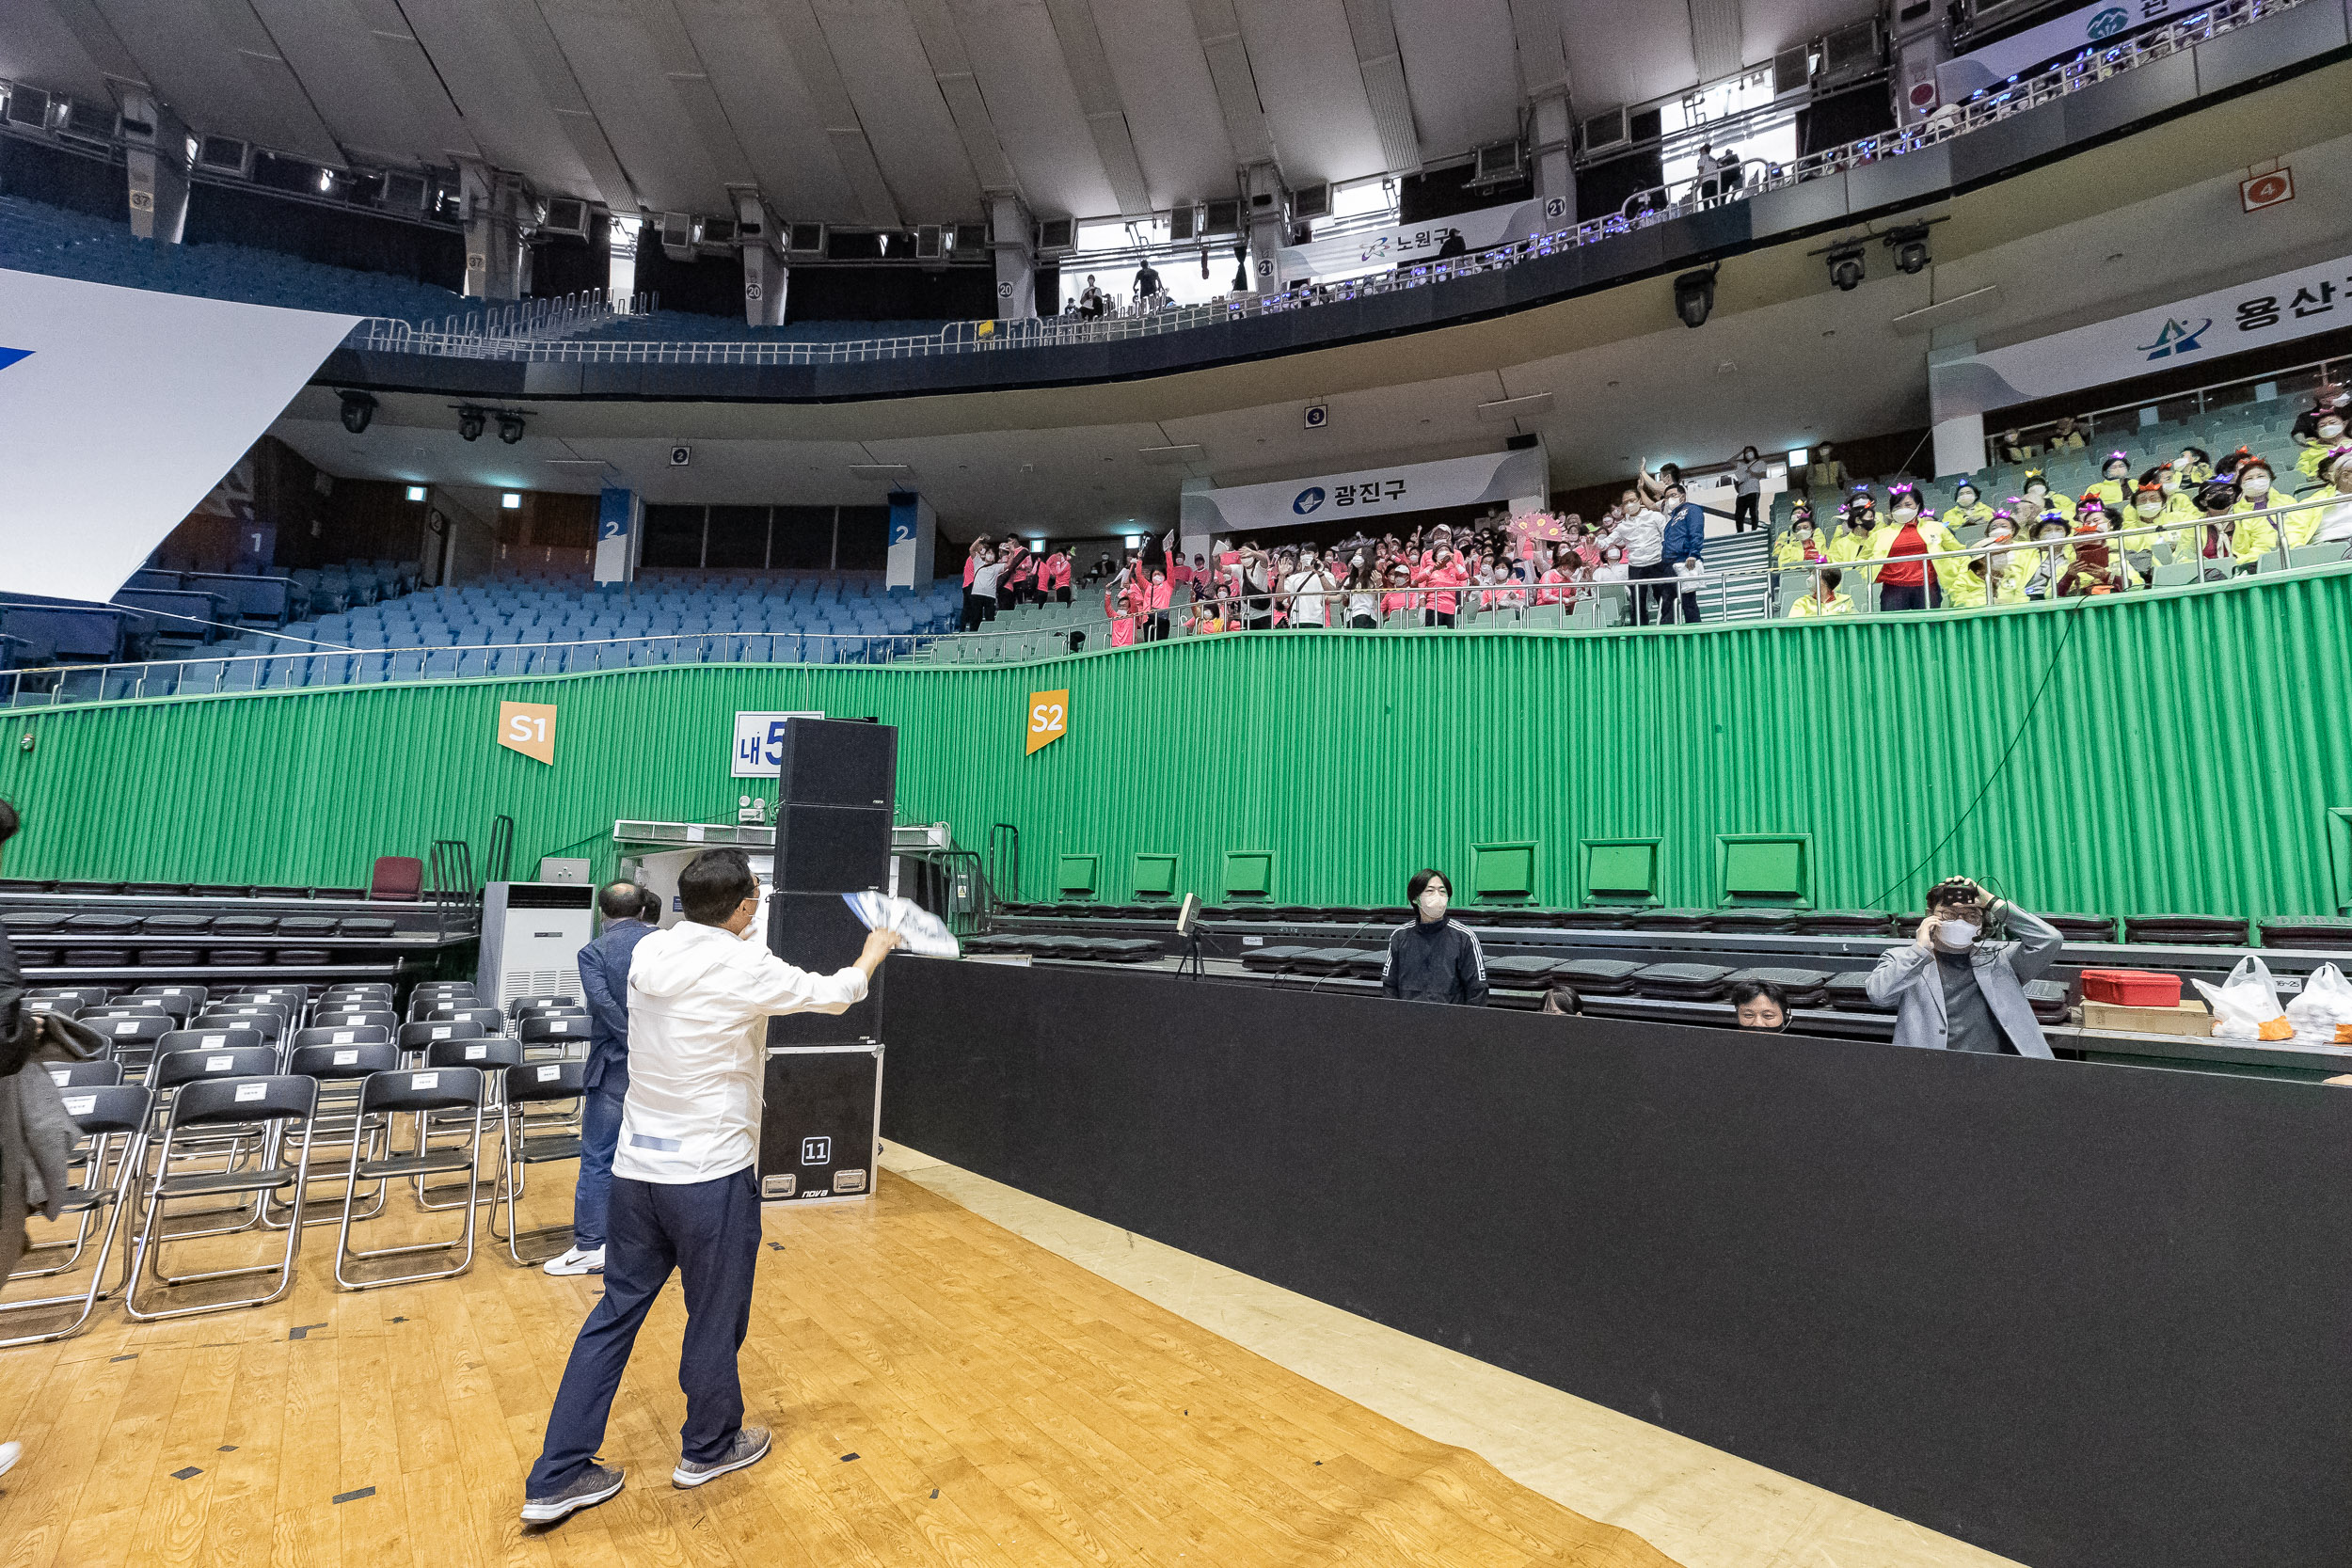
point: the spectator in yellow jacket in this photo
(2049, 556)
(2180, 505)
(1825, 599)
(1905, 511)
(1967, 508)
(1798, 541)
(2256, 491)
(1999, 559)
(1853, 541)
(2330, 430)
(2039, 499)
(2115, 481)
(2193, 465)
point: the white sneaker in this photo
(9, 1454)
(576, 1261)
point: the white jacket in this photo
(699, 1001)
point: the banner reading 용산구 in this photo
(119, 409)
(2275, 309)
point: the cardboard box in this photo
(2189, 1018)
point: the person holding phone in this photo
(1957, 990)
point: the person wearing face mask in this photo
(2253, 538)
(1905, 583)
(1824, 599)
(2115, 480)
(1309, 587)
(1441, 575)
(2327, 431)
(2039, 498)
(2049, 556)
(2335, 516)
(1613, 567)
(1800, 543)
(1967, 510)
(1954, 990)
(1854, 540)
(2092, 566)
(1434, 959)
(2257, 488)
(2180, 508)
(1162, 594)
(2149, 507)
(2210, 541)
(1681, 548)
(2064, 436)
(1747, 489)
(1761, 1007)
(1995, 574)
(2193, 465)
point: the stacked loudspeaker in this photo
(836, 787)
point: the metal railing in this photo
(2124, 418)
(525, 321)
(1584, 606)
(1641, 210)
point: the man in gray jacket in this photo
(1959, 992)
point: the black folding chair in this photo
(426, 1093)
(329, 1017)
(530, 1084)
(561, 1031)
(423, 1034)
(68, 1077)
(341, 1034)
(492, 1020)
(132, 1035)
(232, 1145)
(525, 1005)
(277, 1100)
(102, 1111)
(489, 1057)
(181, 1002)
(340, 1066)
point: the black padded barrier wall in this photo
(2079, 1315)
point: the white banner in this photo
(2273, 309)
(2095, 26)
(119, 409)
(1370, 492)
(1408, 243)
(759, 743)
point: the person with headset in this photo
(1955, 988)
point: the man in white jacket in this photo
(685, 1190)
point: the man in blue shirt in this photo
(1685, 544)
(604, 981)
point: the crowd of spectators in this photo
(1968, 552)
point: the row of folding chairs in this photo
(230, 1109)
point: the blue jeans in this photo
(709, 1232)
(599, 1135)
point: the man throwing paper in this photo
(685, 1194)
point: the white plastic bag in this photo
(2324, 1009)
(2246, 1005)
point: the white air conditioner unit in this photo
(715, 236)
(28, 106)
(225, 155)
(1792, 70)
(1056, 236)
(566, 215)
(402, 193)
(532, 934)
(1222, 217)
(1851, 52)
(1604, 131)
(1499, 163)
(930, 245)
(1184, 222)
(968, 242)
(88, 122)
(680, 232)
(805, 239)
(1311, 201)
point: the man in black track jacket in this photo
(1434, 959)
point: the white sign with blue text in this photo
(2255, 315)
(759, 743)
(1376, 490)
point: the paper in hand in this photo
(924, 932)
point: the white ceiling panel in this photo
(37, 46)
(1773, 26)
(1621, 56)
(770, 107)
(1459, 57)
(1018, 59)
(220, 70)
(890, 81)
(510, 108)
(1172, 104)
(369, 77)
(1311, 90)
(622, 75)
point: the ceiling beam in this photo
(565, 99)
(1218, 29)
(951, 67)
(1372, 24)
(682, 68)
(804, 39)
(1089, 70)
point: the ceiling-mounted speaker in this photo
(566, 215)
(1604, 131)
(805, 239)
(1185, 222)
(1056, 236)
(1311, 201)
(930, 246)
(220, 154)
(1222, 217)
(1792, 70)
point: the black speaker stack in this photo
(836, 793)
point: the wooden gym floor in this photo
(944, 1392)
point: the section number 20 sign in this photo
(1049, 717)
